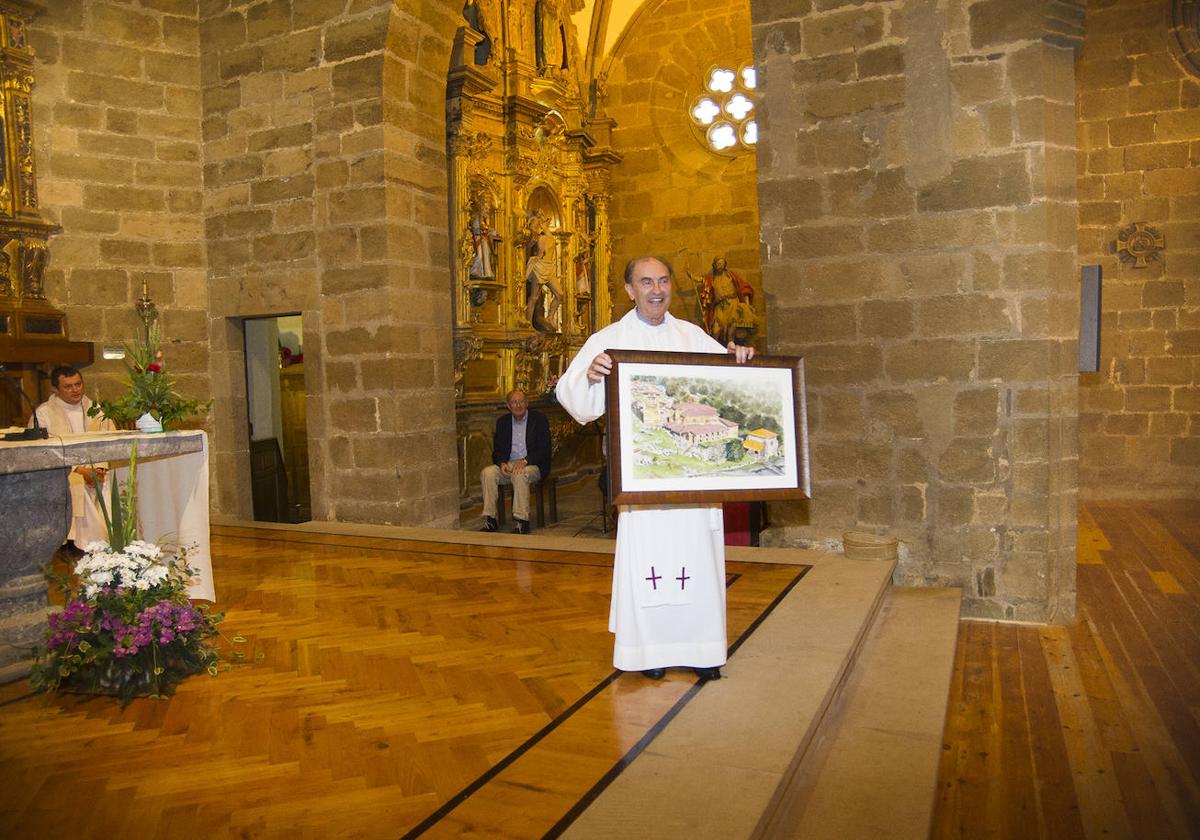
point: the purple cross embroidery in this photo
(683, 577)
(654, 579)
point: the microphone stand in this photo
(34, 433)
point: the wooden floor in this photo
(394, 688)
(1091, 730)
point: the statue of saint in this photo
(727, 304)
(481, 245)
(541, 275)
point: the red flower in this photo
(154, 367)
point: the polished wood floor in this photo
(1091, 730)
(392, 689)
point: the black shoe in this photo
(708, 673)
(654, 673)
(490, 524)
(522, 526)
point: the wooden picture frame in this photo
(698, 427)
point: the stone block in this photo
(356, 36)
(1127, 131)
(1017, 360)
(123, 93)
(102, 58)
(284, 247)
(821, 241)
(999, 180)
(930, 361)
(933, 274)
(1038, 269)
(831, 364)
(977, 82)
(976, 411)
(358, 79)
(1106, 72)
(1185, 452)
(839, 32)
(883, 61)
(870, 194)
(103, 197)
(122, 252)
(125, 25)
(886, 319)
(827, 68)
(1173, 182)
(344, 280)
(1125, 424)
(1157, 156)
(1147, 398)
(1170, 370)
(272, 190)
(1103, 104)
(181, 34)
(790, 202)
(1163, 293)
(963, 314)
(1177, 125)
(228, 253)
(1153, 99)
(829, 102)
(899, 412)
(78, 220)
(1103, 161)
(953, 506)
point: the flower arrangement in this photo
(128, 627)
(151, 389)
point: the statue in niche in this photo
(583, 272)
(482, 250)
(726, 304)
(541, 275)
(549, 39)
(476, 19)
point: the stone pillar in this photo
(916, 197)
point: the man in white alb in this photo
(668, 600)
(66, 413)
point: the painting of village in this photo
(731, 425)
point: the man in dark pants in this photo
(520, 457)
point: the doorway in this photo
(277, 418)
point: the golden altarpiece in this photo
(33, 334)
(529, 156)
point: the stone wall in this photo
(1139, 140)
(116, 111)
(263, 157)
(916, 191)
(671, 195)
(326, 183)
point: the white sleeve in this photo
(582, 399)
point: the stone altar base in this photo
(35, 516)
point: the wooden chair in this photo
(537, 497)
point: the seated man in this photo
(65, 413)
(520, 457)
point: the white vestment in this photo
(668, 598)
(61, 418)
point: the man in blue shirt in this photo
(521, 450)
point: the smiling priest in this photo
(668, 592)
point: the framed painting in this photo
(698, 427)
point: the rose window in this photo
(724, 113)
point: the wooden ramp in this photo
(406, 683)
